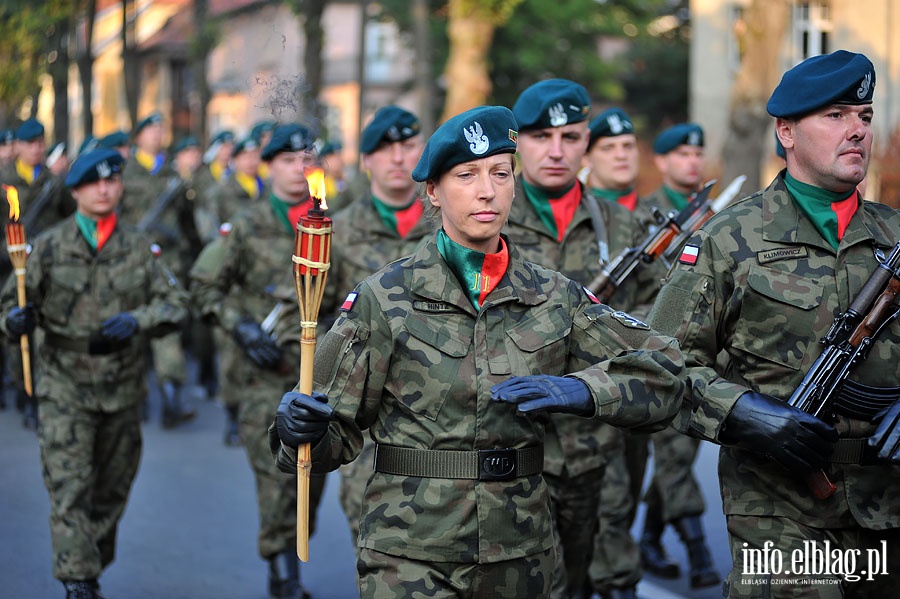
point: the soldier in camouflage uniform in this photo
(384, 225)
(43, 201)
(238, 281)
(96, 291)
(557, 223)
(422, 356)
(763, 281)
(7, 142)
(673, 496)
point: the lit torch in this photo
(312, 257)
(17, 248)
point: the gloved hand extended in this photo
(302, 418)
(21, 321)
(884, 444)
(539, 392)
(259, 346)
(119, 327)
(798, 441)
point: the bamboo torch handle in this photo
(23, 340)
(304, 460)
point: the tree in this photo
(84, 58)
(760, 35)
(131, 61)
(310, 12)
(206, 37)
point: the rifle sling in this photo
(599, 227)
(34, 209)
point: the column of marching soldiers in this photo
(216, 223)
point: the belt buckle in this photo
(497, 464)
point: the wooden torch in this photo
(312, 257)
(17, 248)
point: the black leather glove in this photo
(259, 346)
(796, 440)
(119, 327)
(302, 418)
(548, 393)
(884, 444)
(21, 321)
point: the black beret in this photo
(292, 137)
(7, 136)
(682, 134)
(247, 143)
(92, 166)
(838, 78)
(610, 123)
(476, 133)
(154, 118)
(115, 139)
(552, 103)
(390, 123)
(30, 129)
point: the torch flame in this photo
(12, 196)
(315, 177)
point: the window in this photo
(812, 29)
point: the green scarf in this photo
(554, 216)
(678, 199)
(478, 273)
(399, 219)
(610, 195)
(816, 203)
(287, 212)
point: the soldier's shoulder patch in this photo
(630, 321)
(225, 229)
(155, 249)
(590, 295)
(349, 301)
(689, 255)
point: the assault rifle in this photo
(150, 220)
(673, 231)
(34, 210)
(847, 343)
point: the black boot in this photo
(703, 571)
(30, 412)
(174, 410)
(82, 589)
(653, 557)
(232, 430)
(284, 577)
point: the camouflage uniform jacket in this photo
(245, 273)
(572, 442)
(217, 204)
(73, 291)
(361, 245)
(765, 289)
(413, 362)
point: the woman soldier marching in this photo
(422, 356)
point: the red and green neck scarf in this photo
(678, 199)
(399, 219)
(287, 213)
(478, 273)
(625, 197)
(96, 232)
(829, 212)
(555, 209)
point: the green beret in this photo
(222, 137)
(90, 143)
(330, 147)
(188, 141)
(7, 136)
(838, 78)
(552, 103)
(154, 118)
(245, 144)
(292, 137)
(476, 133)
(116, 139)
(29, 130)
(101, 163)
(682, 134)
(610, 123)
(262, 127)
(390, 123)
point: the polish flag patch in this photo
(590, 295)
(348, 303)
(689, 254)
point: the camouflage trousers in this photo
(90, 460)
(230, 357)
(616, 560)
(776, 570)
(169, 359)
(674, 492)
(383, 576)
(354, 478)
(276, 491)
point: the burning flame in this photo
(315, 177)
(12, 196)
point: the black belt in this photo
(481, 464)
(94, 346)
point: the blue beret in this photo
(30, 129)
(610, 123)
(390, 123)
(291, 137)
(55, 152)
(7, 136)
(330, 147)
(552, 103)
(92, 166)
(247, 143)
(222, 137)
(154, 118)
(188, 141)
(113, 140)
(476, 133)
(90, 143)
(838, 78)
(260, 128)
(682, 134)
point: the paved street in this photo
(189, 531)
